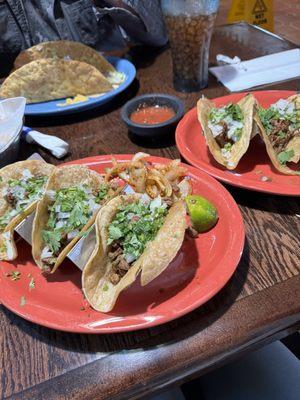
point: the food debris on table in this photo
(31, 283)
(266, 179)
(22, 301)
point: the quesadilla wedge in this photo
(280, 130)
(21, 186)
(134, 234)
(68, 50)
(74, 194)
(51, 79)
(228, 129)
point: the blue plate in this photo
(52, 107)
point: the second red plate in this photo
(255, 170)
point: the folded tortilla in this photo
(50, 79)
(293, 144)
(8, 250)
(240, 147)
(67, 50)
(158, 254)
(64, 177)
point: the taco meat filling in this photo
(226, 125)
(20, 194)
(134, 225)
(69, 211)
(282, 123)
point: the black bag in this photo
(24, 23)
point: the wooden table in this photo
(261, 303)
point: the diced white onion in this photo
(232, 127)
(145, 198)
(51, 194)
(129, 258)
(226, 153)
(59, 224)
(284, 106)
(156, 203)
(57, 208)
(46, 252)
(63, 215)
(215, 129)
(73, 234)
(27, 174)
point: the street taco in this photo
(68, 50)
(280, 130)
(228, 129)
(51, 79)
(134, 234)
(74, 194)
(22, 184)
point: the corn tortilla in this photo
(294, 143)
(98, 290)
(14, 171)
(51, 79)
(240, 147)
(64, 177)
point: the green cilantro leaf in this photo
(285, 156)
(52, 240)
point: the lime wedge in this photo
(203, 213)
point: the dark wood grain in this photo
(260, 303)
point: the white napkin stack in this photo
(259, 71)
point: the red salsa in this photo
(152, 114)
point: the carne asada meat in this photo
(119, 265)
(222, 139)
(280, 141)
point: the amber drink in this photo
(189, 24)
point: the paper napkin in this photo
(259, 71)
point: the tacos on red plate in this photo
(134, 234)
(22, 185)
(74, 195)
(280, 130)
(227, 129)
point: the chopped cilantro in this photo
(233, 111)
(24, 191)
(227, 146)
(69, 213)
(105, 287)
(281, 134)
(3, 247)
(274, 114)
(103, 189)
(285, 156)
(52, 239)
(135, 225)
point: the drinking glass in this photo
(190, 24)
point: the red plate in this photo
(201, 268)
(254, 167)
